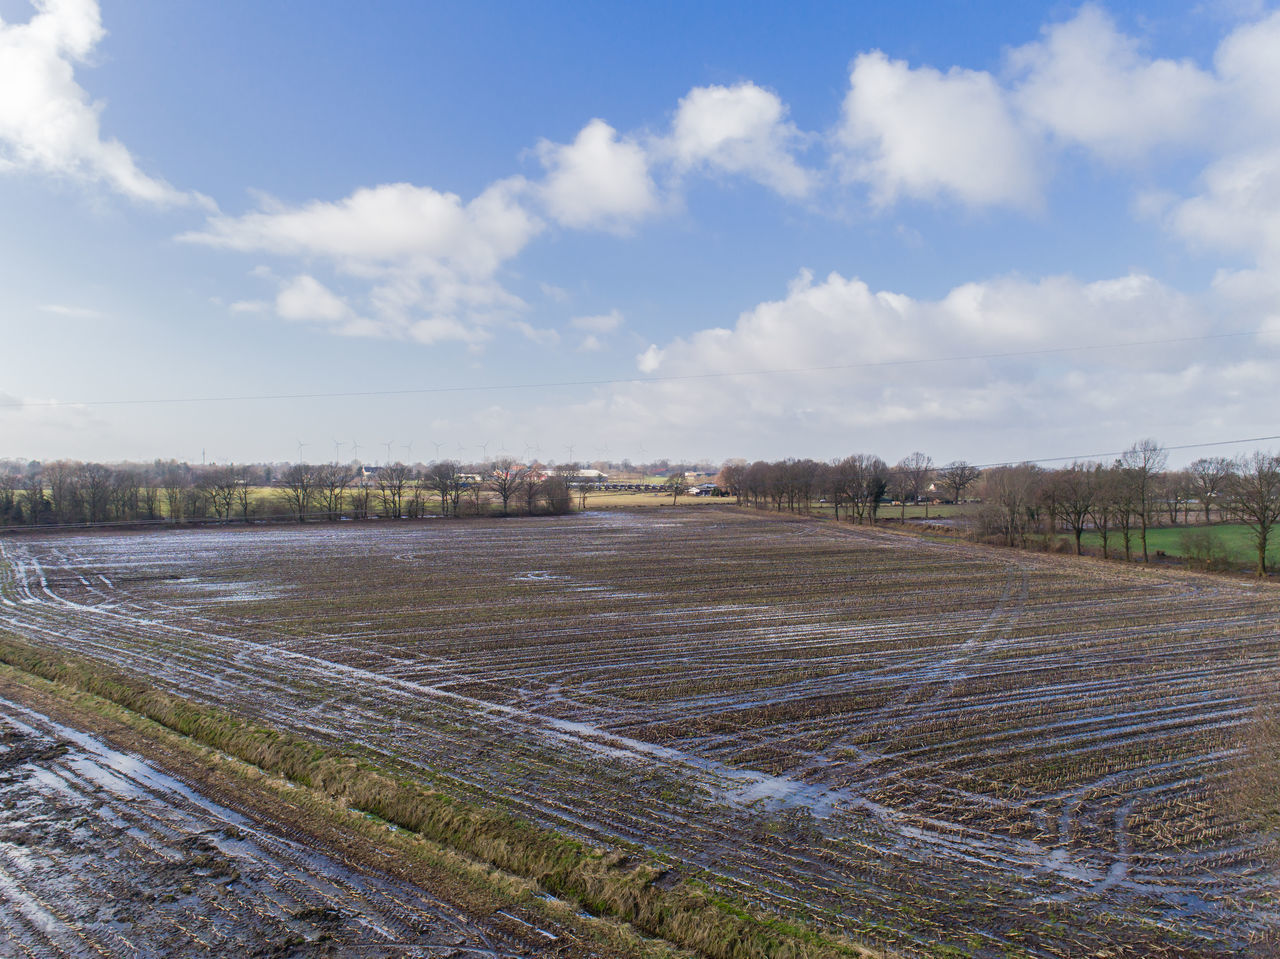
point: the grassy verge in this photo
(606, 884)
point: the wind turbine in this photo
(408, 451)
(300, 446)
(484, 451)
(387, 444)
(570, 449)
(355, 451)
(437, 446)
(337, 451)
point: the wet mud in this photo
(101, 854)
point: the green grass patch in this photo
(1233, 543)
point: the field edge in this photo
(632, 907)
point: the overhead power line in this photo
(1104, 456)
(620, 381)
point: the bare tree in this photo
(175, 479)
(64, 491)
(1010, 494)
(94, 482)
(1173, 488)
(446, 480)
(219, 484)
(33, 496)
(732, 479)
(532, 489)
(244, 480)
(392, 480)
(917, 471)
(299, 484)
(869, 480)
(957, 477)
(1074, 489)
(507, 479)
(332, 482)
(1208, 478)
(359, 496)
(1253, 497)
(676, 484)
(151, 492)
(1142, 463)
(126, 493)
(1102, 511)
(1124, 499)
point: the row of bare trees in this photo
(66, 493)
(858, 484)
(398, 490)
(70, 493)
(1120, 501)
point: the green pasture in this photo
(1233, 543)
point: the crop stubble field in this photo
(923, 742)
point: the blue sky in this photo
(736, 230)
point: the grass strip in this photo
(605, 883)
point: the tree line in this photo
(1119, 501)
(68, 493)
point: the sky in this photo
(261, 232)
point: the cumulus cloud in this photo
(849, 366)
(306, 298)
(599, 181)
(740, 130)
(47, 122)
(1249, 71)
(1088, 84)
(921, 133)
(969, 136)
(396, 224)
(432, 261)
(1239, 207)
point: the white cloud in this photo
(599, 181)
(73, 312)
(307, 299)
(1249, 70)
(1239, 208)
(393, 225)
(597, 329)
(47, 122)
(601, 323)
(554, 293)
(429, 259)
(650, 360)
(1088, 84)
(925, 134)
(851, 368)
(738, 130)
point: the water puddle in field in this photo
(539, 576)
(103, 854)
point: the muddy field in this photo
(923, 742)
(102, 854)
